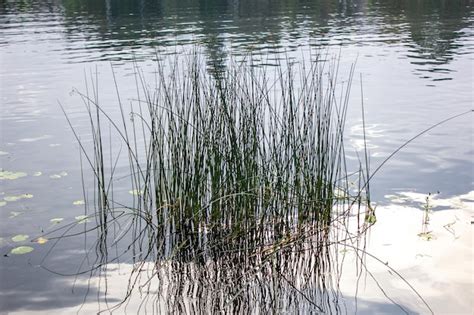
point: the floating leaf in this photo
(55, 176)
(78, 202)
(82, 219)
(41, 240)
(21, 250)
(2, 203)
(20, 238)
(11, 175)
(37, 174)
(136, 192)
(18, 197)
(370, 218)
(56, 220)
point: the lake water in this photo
(415, 58)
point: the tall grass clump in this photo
(239, 182)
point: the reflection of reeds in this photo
(242, 190)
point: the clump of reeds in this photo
(239, 184)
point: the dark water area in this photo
(415, 58)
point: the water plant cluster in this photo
(240, 196)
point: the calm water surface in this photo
(415, 59)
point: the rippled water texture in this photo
(414, 62)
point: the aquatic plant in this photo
(238, 189)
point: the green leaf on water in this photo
(18, 197)
(56, 220)
(20, 238)
(82, 219)
(21, 250)
(2, 203)
(370, 218)
(11, 175)
(78, 202)
(40, 240)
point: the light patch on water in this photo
(7, 175)
(36, 174)
(58, 176)
(136, 192)
(54, 145)
(360, 144)
(78, 202)
(361, 138)
(4, 153)
(35, 138)
(2, 203)
(371, 130)
(468, 196)
(17, 197)
(456, 202)
(14, 214)
(425, 256)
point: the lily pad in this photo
(18, 197)
(20, 238)
(41, 240)
(11, 175)
(56, 220)
(21, 250)
(78, 202)
(82, 219)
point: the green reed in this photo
(240, 172)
